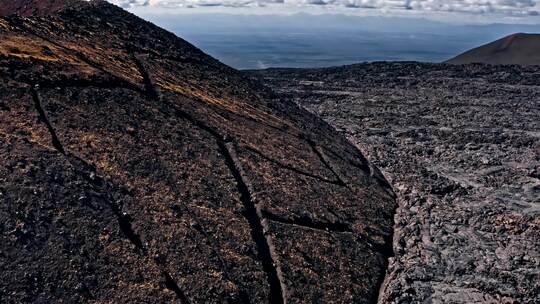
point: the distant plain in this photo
(302, 40)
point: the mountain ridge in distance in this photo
(137, 169)
(519, 48)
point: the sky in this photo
(494, 10)
(251, 34)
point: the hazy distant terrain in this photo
(304, 40)
(519, 48)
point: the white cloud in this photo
(505, 7)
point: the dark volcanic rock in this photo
(38, 7)
(461, 146)
(136, 169)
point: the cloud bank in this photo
(506, 7)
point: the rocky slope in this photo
(37, 7)
(520, 49)
(461, 146)
(136, 169)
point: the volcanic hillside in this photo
(520, 49)
(36, 7)
(136, 169)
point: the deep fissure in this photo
(295, 170)
(308, 222)
(255, 216)
(251, 214)
(124, 221)
(276, 295)
(321, 157)
(386, 252)
(171, 284)
(257, 230)
(43, 117)
(101, 83)
(362, 165)
(149, 87)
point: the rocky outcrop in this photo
(136, 169)
(461, 146)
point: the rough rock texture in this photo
(136, 169)
(461, 146)
(38, 7)
(520, 48)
